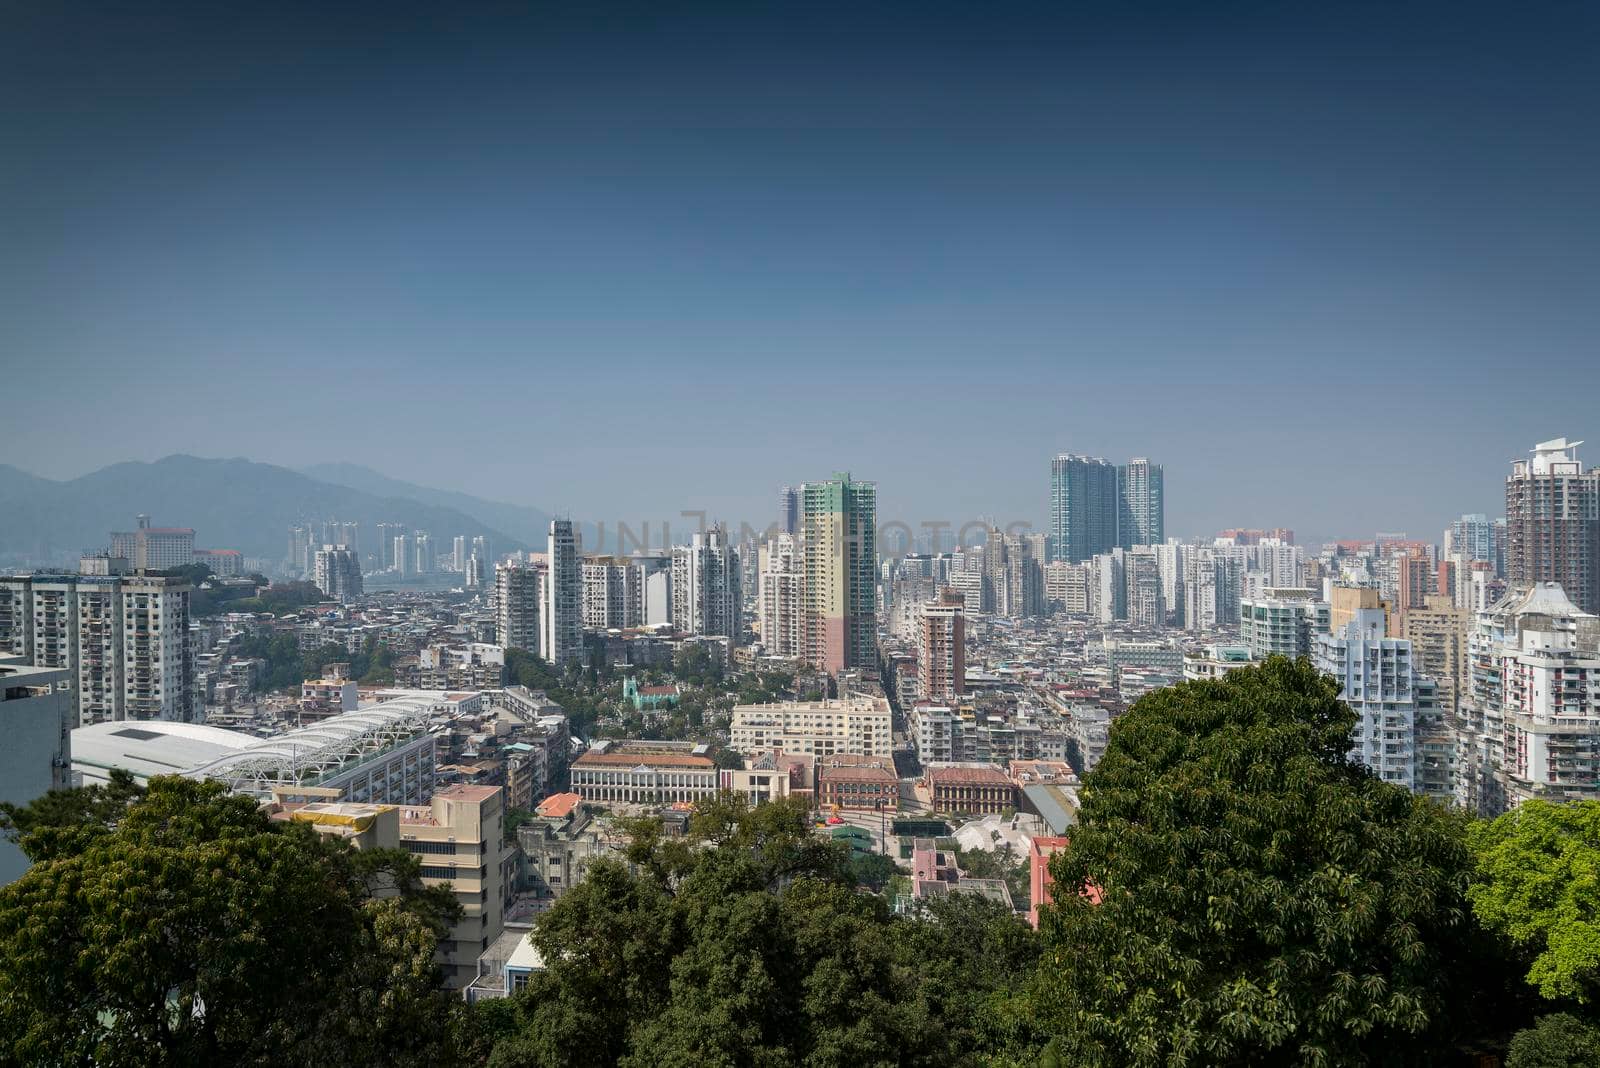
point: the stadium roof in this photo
(245, 762)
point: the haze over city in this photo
(1296, 253)
(933, 535)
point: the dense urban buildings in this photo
(519, 590)
(148, 548)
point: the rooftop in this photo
(967, 776)
(634, 759)
(558, 806)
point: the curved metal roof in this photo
(310, 754)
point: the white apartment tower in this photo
(780, 600)
(705, 585)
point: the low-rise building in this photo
(858, 783)
(963, 788)
(856, 723)
(646, 773)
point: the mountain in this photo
(232, 504)
(520, 521)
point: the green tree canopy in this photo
(1262, 898)
(185, 927)
(1538, 885)
(749, 945)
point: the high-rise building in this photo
(424, 552)
(387, 533)
(1437, 632)
(401, 555)
(1471, 537)
(1141, 516)
(1553, 522)
(1531, 726)
(1380, 685)
(158, 669)
(941, 649)
(705, 585)
(458, 553)
(1146, 606)
(779, 598)
(517, 590)
(338, 572)
(1083, 507)
(154, 548)
(789, 498)
(840, 547)
(123, 639)
(563, 607)
(613, 597)
(1066, 588)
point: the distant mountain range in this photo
(520, 521)
(239, 504)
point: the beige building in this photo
(856, 723)
(1345, 601)
(457, 839)
(1438, 635)
(644, 773)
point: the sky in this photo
(1333, 265)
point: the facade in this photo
(559, 844)
(971, 789)
(611, 595)
(1083, 507)
(154, 548)
(942, 648)
(338, 572)
(36, 721)
(123, 638)
(779, 598)
(856, 723)
(706, 585)
(869, 784)
(1040, 849)
(643, 773)
(789, 506)
(1438, 632)
(457, 838)
(1379, 684)
(1282, 623)
(1067, 588)
(224, 563)
(518, 592)
(1531, 727)
(839, 535)
(563, 604)
(1553, 522)
(1141, 502)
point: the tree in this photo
(728, 759)
(1536, 887)
(1559, 1040)
(1262, 898)
(184, 926)
(872, 870)
(748, 945)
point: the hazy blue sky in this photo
(1332, 264)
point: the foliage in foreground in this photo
(180, 925)
(752, 946)
(1263, 899)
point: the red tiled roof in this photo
(558, 805)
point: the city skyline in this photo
(1274, 249)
